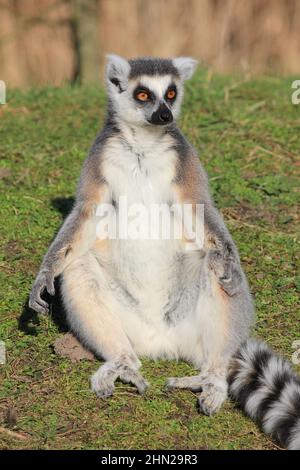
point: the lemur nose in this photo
(162, 116)
(165, 116)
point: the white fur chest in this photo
(140, 167)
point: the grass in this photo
(247, 135)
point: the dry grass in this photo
(258, 35)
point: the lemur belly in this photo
(154, 286)
(165, 305)
(153, 297)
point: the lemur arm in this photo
(217, 236)
(192, 187)
(73, 239)
(76, 235)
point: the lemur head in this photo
(147, 91)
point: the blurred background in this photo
(52, 42)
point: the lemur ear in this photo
(117, 71)
(186, 66)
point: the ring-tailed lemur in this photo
(127, 298)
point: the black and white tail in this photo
(265, 387)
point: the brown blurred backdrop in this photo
(56, 41)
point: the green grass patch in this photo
(247, 134)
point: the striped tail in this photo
(265, 387)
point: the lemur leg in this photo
(213, 323)
(223, 286)
(91, 317)
(74, 238)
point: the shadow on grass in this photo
(63, 205)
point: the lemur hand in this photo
(44, 280)
(227, 268)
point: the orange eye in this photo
(143, 96)
(171, 94)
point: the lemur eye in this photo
(171, 94)
(142, 96)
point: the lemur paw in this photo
(102, 384)
(44, 280)
(193, 383)
(228, 271)
(211, 399)
(213, 390)
(103, 380)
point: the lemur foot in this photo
(211, 399)
(228, 271)
(213, 390)
(103, 380)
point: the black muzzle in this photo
(162, 116)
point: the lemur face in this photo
(147, 91)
